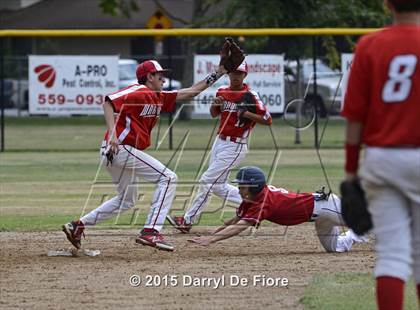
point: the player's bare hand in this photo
(203, 241)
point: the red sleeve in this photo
(261, 109)
(357, 94)
(168, 100)
(116, 103)
(253, 213)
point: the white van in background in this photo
(127, 72)
(329, 95)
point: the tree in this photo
(118, 7)
(303, 13)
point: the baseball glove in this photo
(247, 103)
(231, 55)
(354, 207)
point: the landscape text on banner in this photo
(265, 76)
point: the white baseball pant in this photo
(328, 225)
(391, 179)
(128, 166)
(225, 155)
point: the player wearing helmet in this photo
(280, 206)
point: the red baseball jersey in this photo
(138, 109)
(384, 87)
(278, 205)
(229, 121)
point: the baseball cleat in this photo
(179, 223)
(154, 239)
(74, 232)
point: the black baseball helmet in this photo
(251, 175)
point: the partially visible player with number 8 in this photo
(382, 107)
(229, 148)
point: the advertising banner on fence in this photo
(64, 85)
(265, 76)
(346, 61)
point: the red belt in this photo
(233, 139)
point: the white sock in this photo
(344, 242)
(358, 238)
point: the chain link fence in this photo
(320, 97)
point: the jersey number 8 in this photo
(397, 88)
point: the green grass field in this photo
(43, 189)
(85, 133)
(48, 178)
(348, 291)
(50, 164)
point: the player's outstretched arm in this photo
(232, 221)
(227, 232)
(194, 90)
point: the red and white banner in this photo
(265, 76)
(65, 85)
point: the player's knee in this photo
(327, 236)
(206, 181)
(222, 190)
(126, 202)
(218, 189)
(395, 262)
(328, 243)
(170, 177)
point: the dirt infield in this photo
(30, 279)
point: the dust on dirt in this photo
(30, 279)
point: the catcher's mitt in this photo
(247, 103)
(354, 207)
(231, 55)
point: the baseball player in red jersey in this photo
(229, 148)
(138, 107)
(382, 107)
(280, 206)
